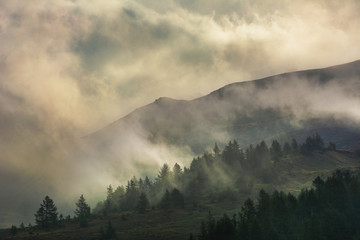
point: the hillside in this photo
(293, 173)
(287, 105)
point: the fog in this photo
(70, 68)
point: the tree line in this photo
(47, 216)
(330, 210)
(221, 174)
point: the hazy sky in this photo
(70, 67)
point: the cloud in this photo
(70, 67)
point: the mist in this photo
(70, 68)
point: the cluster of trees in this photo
(217, 175)
(141, 194)
(47, 216)
(330, 210)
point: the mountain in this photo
(288, 105)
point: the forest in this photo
(330, 210)
(221, 175)
(228, 175)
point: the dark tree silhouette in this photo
(165, 202)
(329, 211)
(47, 214)
(13, 230)
(294, 146)
(275, 151)
(109, 233)
(177, 199)
(143, 203)
(286, 148)
(82, 211)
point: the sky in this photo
(69, 68)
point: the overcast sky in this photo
(68, 68)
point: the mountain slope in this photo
(291, 104)
(294, 173)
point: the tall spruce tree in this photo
(275, 151)
(294, 145)
(143, 203)
(47, 215)
(82, 211)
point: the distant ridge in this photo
(234, 112)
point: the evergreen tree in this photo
(286, 148)
(131, 196)
(163, 173)
(143, 203)
(109, 205)
(294, 146)
(177, 199)
(82, 211)
(148, 185)
(141, 185)
(47, 214)
(231, 153)
(165, 202)
(319, 142)
(216, 150)
(163, 178)
(109, 232)
(177, 172)
(275, 151)
(118, 194)
(22, 226)
(13, 230)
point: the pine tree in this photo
(177, 199)
(82, 212)
(275, 151)
(166, 200)
(40, 217)
(177, 173)
(13, 230)
(163, 173)
(286, 148)
(47, 214)
(143, 203)
(109, 199)
(109, 232)
(148, 184)
(294, 146)
(216, 150)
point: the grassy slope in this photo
(294, 173)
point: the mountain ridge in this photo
(283, 106)
(259, 82)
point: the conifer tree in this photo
(294, 145)
(143, 203)
(216, 150)
(286, 148)
(275, 151)
(82, 212)
(47, 214)
(166, 200)
(177, 172)
(177, 199)
(163, 173)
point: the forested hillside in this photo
(172, 205)
(329, 210)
